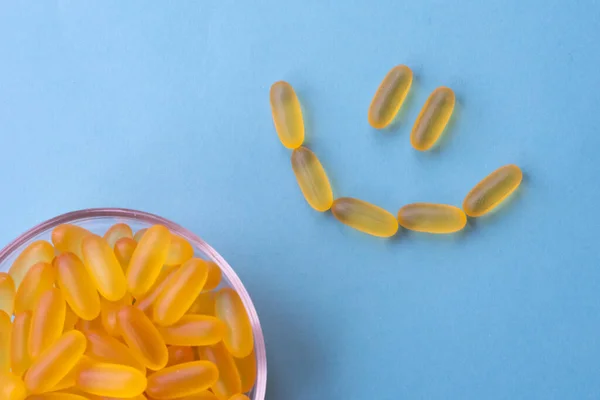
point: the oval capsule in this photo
(47, 322)
(148, 259)
(239, 396)
(229, 381)
(312, 179)
(492, 190)
(7, 293)
(365, 217)
(39, 279)
(194, 330)
(142, 337)
(107, 349)
(229, 308)
(432, 218)
(112, 380)
(182, 380)
(116, 232)
(180, 250)
(247, 369)
(11, 387)
(68, 238)
(389, 96)
(214, 276)
(104, 268)
(5, 335)
(204, 304)
(77, 286)
(19, 354)
(124, 249)
(287, 114)
(433, 118)
(146, 301)
(36, 252)
(180, 355)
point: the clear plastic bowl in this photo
(100, 219)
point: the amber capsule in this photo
(239, 396)
(107, 349)
(148, 259)
(104, 268)
(389, 96)
(146, 301)
(180, 292)
(229, 382)
(214, 276)
(142, 337)
(68, 238)
(47, 322)
(180, 355)
(433, 118)
(205, 395)
(492, 190)
(116, 232)
(194, 330)
(38, 280)
(86, 326)
(287, 115)
(19, 354)
(55, 362)
(364, 217)
(180, 250)
(38, 251)
(138, 235)
(204, 304)
(77, 286)
(7, 293)
(110, 380)
(247, 369)
(230, 309)
(432, 218)
(124, 249)
(182, 380)
(312, 179)
(11, 387)
(5, 334)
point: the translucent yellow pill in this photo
(146, 301)
(204, 304)
(247, 369)
(124, 249)
(19, 354)
(365, 217)
(389, 96)
(182, 380)
(104, 348)
(229, 308)
(112, 380)
(180, 292)
(39, 251)
(312, 179)
(432, 218)
(70, 319)
(148, 259)
(205, 395)
(56, 396)
(108, 314)
(287, 115)
(142, 337)
(138, 235)
(433, 118)
(5, 334)
(7, 293)
(68, 238)
(214, 276)
(492, 190)
(194, 330)
(38, 280)
(67, 384)
(77, 286)
(239, 397)
(104, 268)
(86, 326)
(116, 232)
(180, 355)
(180, 250)
(229, 382)
(47, 322)
(55, 362)
(11, 387)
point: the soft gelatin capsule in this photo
(229, 308)
(146, 301)
(194, 330)
(364, 217)
(389, 96)
(239, 397)
(312, 179)
(104, 268)
(19, 353)
(107, 349)
(38, 251)
(492, 190)
(180, 355)
(182, 380)
(57, 396)
(124, 249)
(38, 280)
(142, 337)
(433, 118)
(138, 235)
(11, 387)
(229, 382)
(214, 276)
(205, 395)
(116, 232)
(247, 369)
(47, 322)
(77, 286)
(148, 259)
(7, 293)
(5, 334)
(432, 218)
(180, 250)
(68, 238)
(287, 115)
(111, 380)
(204, 304)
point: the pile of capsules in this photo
(429, 126)
(121, 317)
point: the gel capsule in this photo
(239, 397)
(107, 349)
(312, 179)
(110, 380)
(124, 249)
(77, 286)
(11, 387)
(19, 354)
(364, 217)
(214, 276)
(108, 314)
(68, 238)
(142, 337)
(182, 380)
(116, 232)
(229, 382)
(7, 293)
(5, 334)
(180, 250)
(47, 322)
(38, 280)
(287, 115)
(204, 304)
(194, 330)
(39, 251)
(180, 292)
(492, 190)
(180, 355)
(433, 118)
(206, 395)
(138, 235)
(56, 396)
(104, 268)
(148, 259)
(389, 96)
(146, 301)
(229, 308)
(432, 218)
(247, 369)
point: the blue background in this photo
(164, 108)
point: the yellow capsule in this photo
(56, 396)
(86, 326)
(287, 115)
(116, 232)
(148, 259)
(180, 250)
(5, 334)
(492, 190)
(389, 96)
(182, 380)
(146, 301)
(142, 337)
(180, 355)
(214, 276)
(11, 387)
(124, 249)
(77, 286)
(205, 395)
(68, 382)
(239, 397)
(108, 314)
(19, 354)
(432, 218)
(204, 304)
(7, 293)
(47, 322)
(104, 268)
(230, 309)
(433, 118)
(194, 330)
(68, 238)
(107, 349)
(39, 251)
(138, 235)
(37, 281)
(71, 320)
(312, 179)
(180, 292)
(364, 217)
(229, 382)
(247, 369)
(110, 380)
(55, 362)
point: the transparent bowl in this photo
(98, 220)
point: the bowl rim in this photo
(236, 283)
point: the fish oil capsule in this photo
(86, 326)
(39, 251)
(214, 276)
(148, 259)
(5, 334)
(111, 380)
(142, 337)
(124, 249)
(206, 395)
(55, 362)
(204, 304)
(68, 238)
(19, 354)
(364, 217)
(138, 235)
(492, 190)
(229, 382)
(432, 218)
(180, 292)
(116, 232)
(389, 96)
(104, 268)
(11, 387)
(180, 355)
(433, 118)
(146, 301)
(107, 349)
(182, 380)
(239, 397)
(77, 286)
(194, 330)
(247, 369)
(7, 293)
(287, 115)
(39, 279)
(68, 382)
(56, 396)
(180, 250)
(312, 179)
(47, 322)
(229, 308)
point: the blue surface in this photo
(165, 108)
